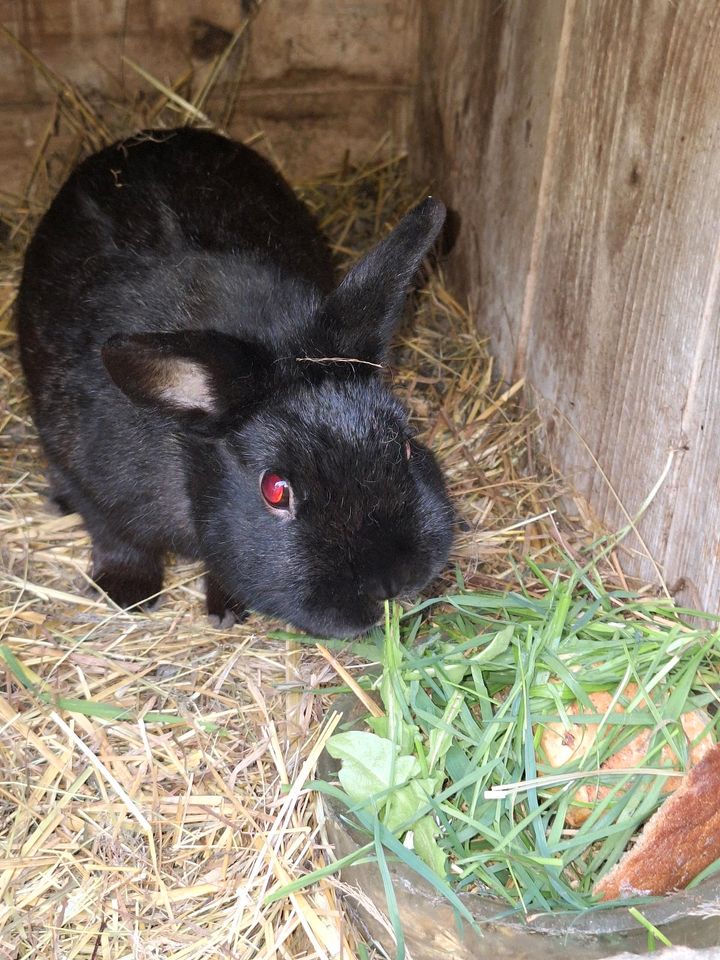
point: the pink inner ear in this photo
(185, 384)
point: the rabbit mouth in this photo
(342, 623)
(345, 627)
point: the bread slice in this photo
(677, 842)
(559, 745)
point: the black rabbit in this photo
(200, 385)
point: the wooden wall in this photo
(580, 142)
(321, 77)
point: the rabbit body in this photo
(202, 387)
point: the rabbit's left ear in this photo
(361, 315)
(194, 376)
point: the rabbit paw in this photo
(129, 588)
(223, 611)
(129, 576)
(59, 492)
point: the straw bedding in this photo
(151, 768)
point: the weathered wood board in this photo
(483, 113)
(581, 145)
(321, 78)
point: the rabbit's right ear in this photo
(363, 312)
(196, 376)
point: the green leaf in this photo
(390, 898)
(441, 737)
(370, 764)
(650, 927)
(405, 804)
(379, 726)
(406, 731)
(426, 846)
(476, 681)
(499, 644)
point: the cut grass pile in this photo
(453, 764)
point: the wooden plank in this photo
(307, 134)
(692, 547)
(293, 41)
(581, 144)
(374, 39)
(624, 335)
(487, 75)
(321, 78)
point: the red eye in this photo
(276, 491)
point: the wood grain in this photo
(588, 177)
(625, 334)
(483, 114)
(320, 78)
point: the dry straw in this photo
(151, 794)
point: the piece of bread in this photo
(561, 745)
(677, 842)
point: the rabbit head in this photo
(312, 500)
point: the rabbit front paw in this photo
(130, 577)
(223, 610)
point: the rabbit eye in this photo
(408, 450)
(275, 490)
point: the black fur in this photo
(173, 300)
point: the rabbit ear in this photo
(361, 315)
(197, 376)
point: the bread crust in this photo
(677, 842)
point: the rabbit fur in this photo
(186, 346)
